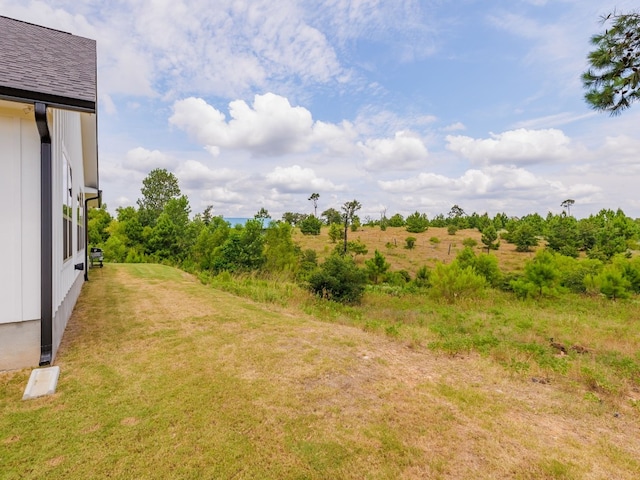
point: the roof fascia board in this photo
(55, 101)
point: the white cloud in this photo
(457, 126)
(195, 175)
(405, 150)
(222, 195)
(158, 47)
(406, 24)
(296, 179)
(270, 126)
(519, 146)
(622, 150)
(495, 188)
(144, 160)
(554, 120)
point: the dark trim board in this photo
(65, 103)
(46, 237)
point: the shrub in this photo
(573, 272)
(612, 283)
(422, 277)
(335, 232)
(396, 220)
(469, 242)
(452, 282)
(489, 237)
(310, 225)
(399, 278)
(377, 267)
(541, 276)
(630, 269)
(452, 229)
(483, 264)
(308, 262)
(417, 223)
(410, 242)
(355, 247)
(339, 279)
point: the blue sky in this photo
(405, 105)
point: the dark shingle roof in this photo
(46, 65)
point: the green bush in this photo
(308, 262)
(541, 276)
(469, 242)
(377, 267)
(398, 279)
(612, 283)
(310, 225)
(410, 242)
(417, 223)
(452, 282)
(483, 264)
(422, 277)
(338, 279)
(336, 232)
(396, 220)
(573, 272)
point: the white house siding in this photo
(66, 140)
(19, 237)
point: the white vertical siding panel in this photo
(30, 201)
(10, 212)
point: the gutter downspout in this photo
(86, 232)
(46, 236)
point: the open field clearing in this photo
(163, 377)
(430, 246)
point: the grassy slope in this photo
(391, 243)
(163, 377)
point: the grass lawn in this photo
(163, 377)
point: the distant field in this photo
(164, 377)
(391, 243)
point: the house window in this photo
(67, 209)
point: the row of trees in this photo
(601, 236)
(162, 229)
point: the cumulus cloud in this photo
(270, 126)
(222, 195)
(493, 182)
(196, 175)
(296, 179)
(521, 147)
(405, 150)
(144, 160)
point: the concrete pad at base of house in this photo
(43, 381)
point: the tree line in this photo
(589, 255)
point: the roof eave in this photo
(55, 101)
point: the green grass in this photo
(165, 377)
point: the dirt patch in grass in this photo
(163, 377)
